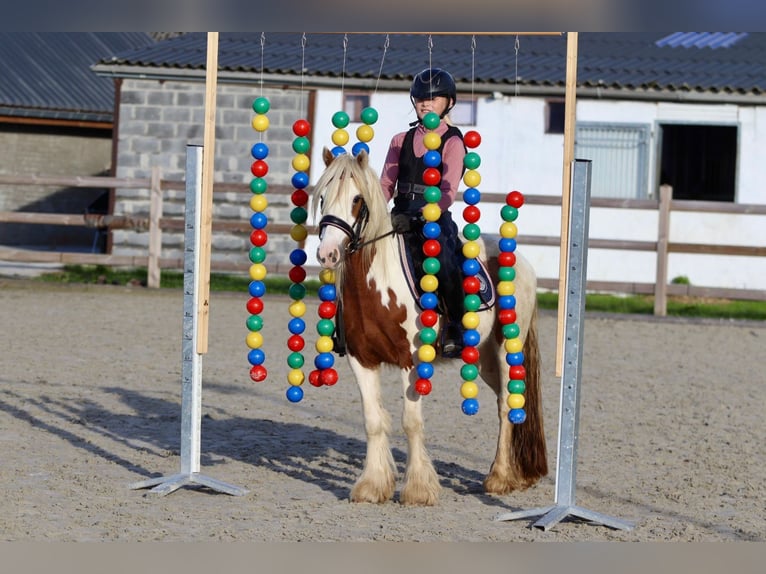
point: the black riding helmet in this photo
(433, 82)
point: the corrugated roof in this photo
(607, 59)
(48, 75)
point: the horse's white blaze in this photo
(330, 247)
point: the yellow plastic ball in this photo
(258, 202)
(429, 283)
(327, 276)
(506, 288)
(365, 133)
(297, 309)
(301, 162)
(340, 137)
(471, 249)
(324, 344)
(432, 140)
(295, 377)
(298, 232)
(254, 340)
(257, 271)
(472, 178)
(516, 401)
(426, 353)
(508, 230)
(471, 320)
(432, 212)
(469, 390)
(260, 123)
(513, 345)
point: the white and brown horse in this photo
(381, 319)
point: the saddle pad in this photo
(410, 257)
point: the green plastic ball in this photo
(427, 335)
(472, 160)
(369, 116)
(325, 327)
(471, 232)
(301, 144)
(295, 360)
(506, 273)
(299, 215)
(258, 185)
(516, 386)
(472, 302)
(511, 331)
(340, 119)
(431, 120)
(261, 105)
(432, 194)
(509, 213)
(254, 322)
(469, 372)
(257, 254)
(297, 291)
(431, 265)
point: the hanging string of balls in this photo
(258, 238)
(469, 390)
(429, 283)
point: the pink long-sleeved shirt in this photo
(452, 161)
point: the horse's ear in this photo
(362, 159)
(327, 156)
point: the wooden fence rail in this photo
(156, 222)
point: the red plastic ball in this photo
(431, 248)
(507, 316)
(471, 214)
(301, 128)
(295, 343)
(423, 386)
(429, 318)
(517, 372)
(471, 139)
(431, 176)
(314, 378)
(300, 197)
(470, 355)
(327, 310)
(255, 306)
(328, 377)
(471, 284)
(259, 168)
(515, 199)
(297, 274)
(258, 373)
(506, 259)
(258, 237)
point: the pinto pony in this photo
(381, 325)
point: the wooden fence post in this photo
(661, 279)
(155, 231)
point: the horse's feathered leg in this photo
(421, 483)
(377, 482)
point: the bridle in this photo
(354, 233)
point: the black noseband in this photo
(354, 233)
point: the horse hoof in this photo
(495, 484)
(366, 492)
(419, 496)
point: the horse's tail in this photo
(529, 437)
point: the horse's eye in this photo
(357, 199)
(321, 203)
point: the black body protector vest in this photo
(411, 168)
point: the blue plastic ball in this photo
(507, 244)
(259, 150)
(470, 406)
(429, 301)
(471, 338)
(471, 267)
(507, 301)
(324, 361)
(359, 147)
(432, 230)
(256, 288)
(514, 359)
(298, 257)
(296, 326)
(256, 357)
(294, 394)
(300, 179)
(517, 416)
(338, 150)
(258, 220)
(472, 196)
(432, 158)
(425, 370)
(327, 292)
